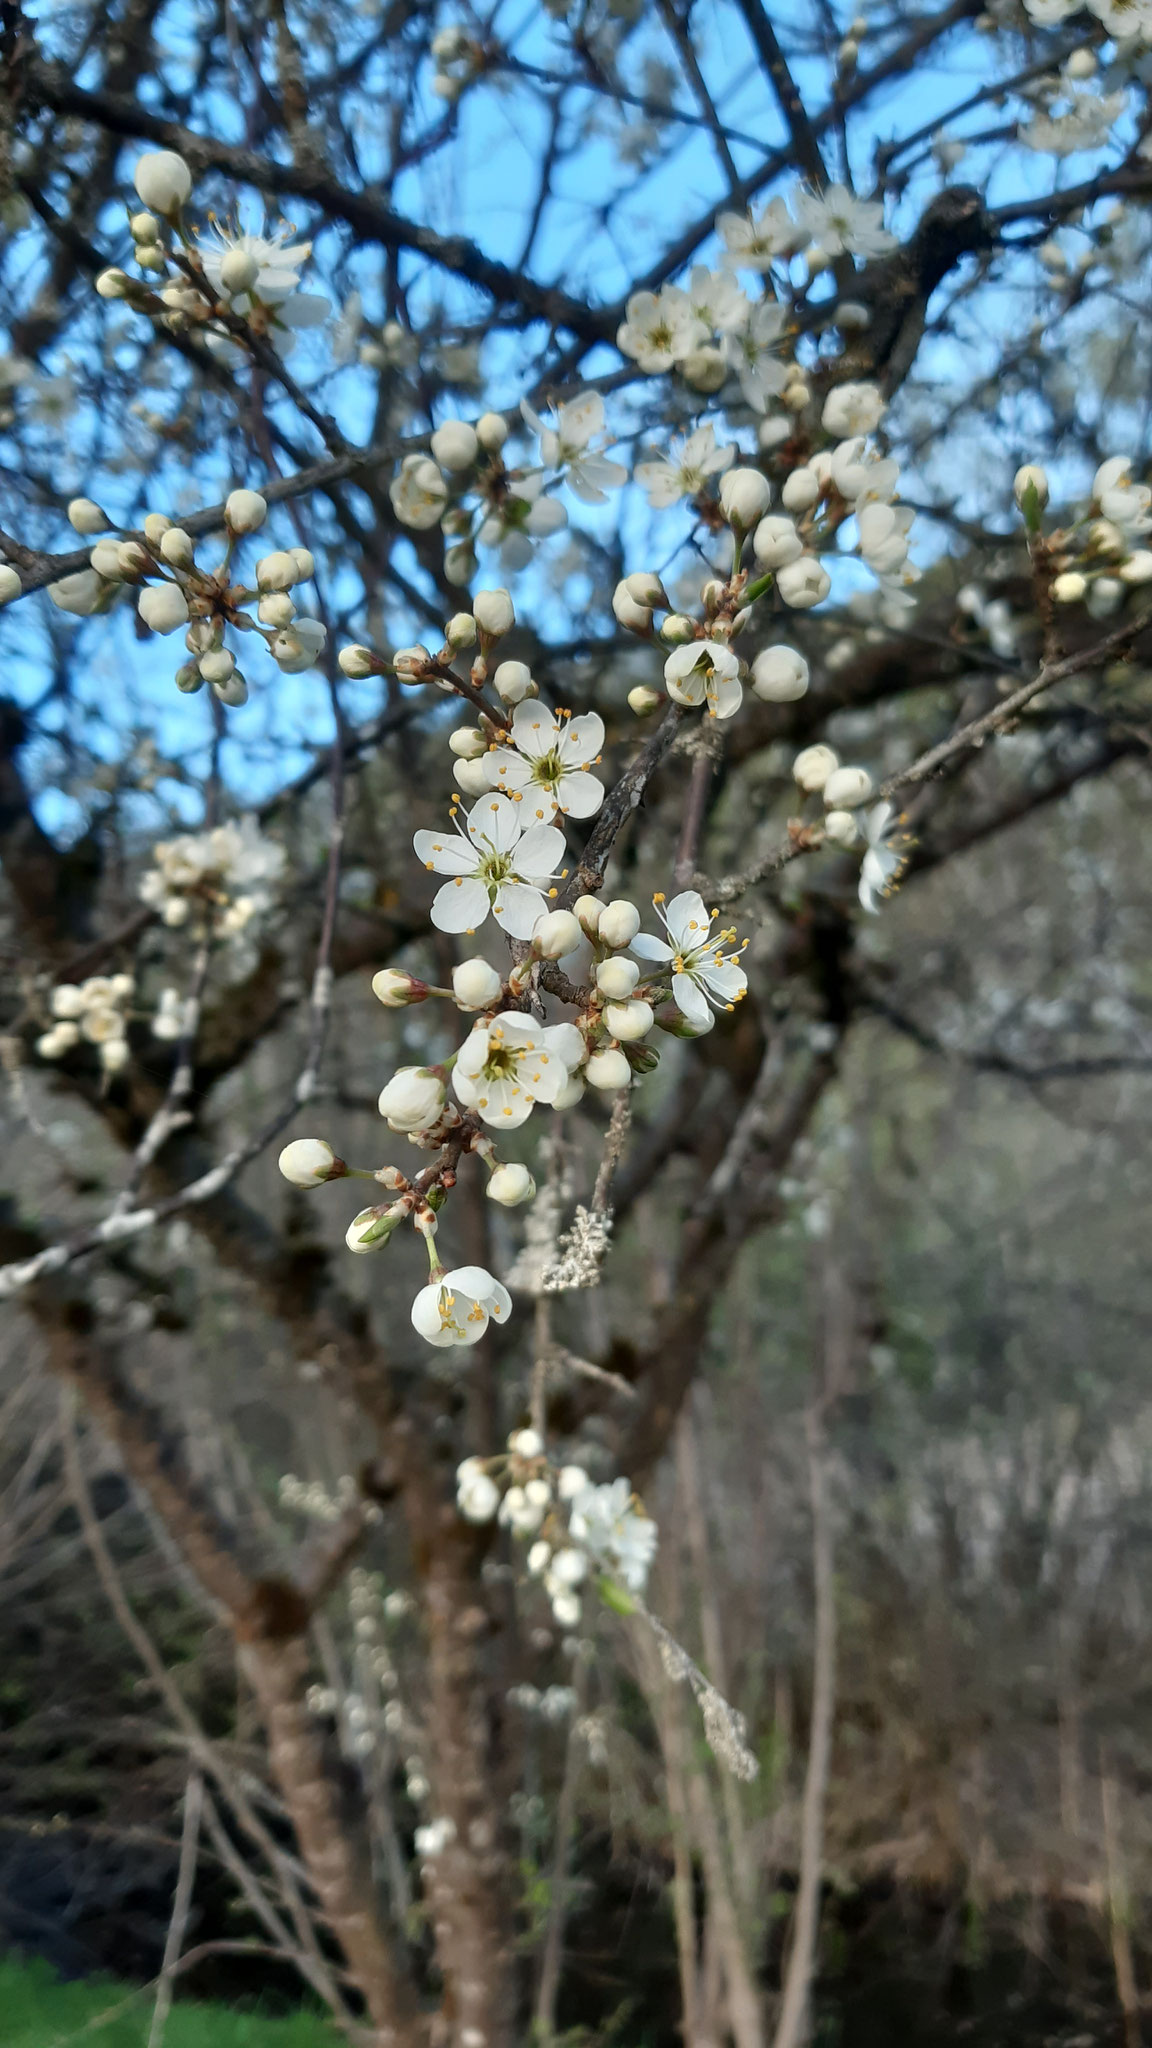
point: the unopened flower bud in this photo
(156, 525)
(776, 542)
(608, 1069)
(677, 630)
(801, 490)
(245, 511)
(845, 788)
(813, 766)
(105, 559)
(705, 369)
(85, 516)
(626, 1021)
(217, 666)
(460, 565)
(233, 691)
(178, 547)
(114, 284)
(372, 1228)
(472, 778)
(460, 632)
(277, 609)
(239, 271)
(779, 675)
(1138, 567)
(643, 700)
(840, 828)
(276, 571)
(744, 496)
(804, 582)
(163, 181)
(455, 445)
(188, 678)
(396, 989)
(306, 1162)
(588, 909)
(510, 1185)
(645, 586)
(413, 1099)
(10, 584)
(163, 607)
(357, 662)
(476, 985)
(409, 663)
(1028, 481)
(493, 612)
(618, 924)
(628, 612)
(570, 1094)
(133, 559)
(1070, 587)
(616, 978)
(556, 934)
(144, 227)
(491, 432)
(513, 682)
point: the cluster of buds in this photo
(491, 617)
(92, 1012)
(465, 486)
(577, 1531)
(1092, 562)
(225, 286)
(173, 590)
(458, 59)
(220, 881)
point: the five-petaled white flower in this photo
(705, 672)
(507, 1065)
(605, 1522)
(752, 353)
(660, 328)
(840, 224)
(455, 1307)
(549, 760)
(884, 859)
(275, 280)
(704, 977)
(687, 469)
(753, 241)
(565, 445)
(498, 867)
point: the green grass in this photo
(38, 2011)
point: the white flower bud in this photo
(589, 910)
(511, 1185)
(460, 632)
(645, 586)
(813, 766)
(114, 284)
(493, 612)
(163, 181)
(1138, 567)
(276, 571)
(779, 675)
(177, 547)
(840, 828)
(114, 1055)
(305, 562)
(776, 542)
(643, 700)
(616, 978)
(538, 1558)
(677, 630)
(68, 1000)
(233, 691)
(801, 490)
(105, 559)
(144, 227)
(745, 495)
(364, 1233)
(468, 743)
(85, 516)
(239, 271)
(573, 1479)
(478, 1499)
(472, 778)
(629, 1020)
(846, 788)
(567, 1609)
(151, 256)
(460, 566)
(795, 396)
(491, 432)
(570, 1567)
(277, 609)
(133, 559)
(188, 678)
(245, 511)
(555, 934)
(395, 989)
(299, 647)
(570, 1094)
(608, 1069)
(163, 607)
(1070, 587)
(306, 1162)
(476, 985)
(455, 445)
(1031, 477)
(10, 584)
(217, 666)
(512, 682)
(1104, 596)
(634, 617)
(156, 525)
(413, 1099)
(803, 583)
(357, 661)
(705, 369)
(618, 924)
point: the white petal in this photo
(445, 855)
(580, 794)
(539, 853)
(516, 908)
(461, 906)
(647, 946)
(689, 999)
(581, 740)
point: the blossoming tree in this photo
(564, 580)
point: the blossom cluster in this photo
(174, 590)
(220, 881)
(94, 1011)
(1094, 560)
(579, 1531)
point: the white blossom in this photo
(705, 672)
(704, 977)
(686, 470)
(753, 241)
(840, 224)
(607, 1523)
(455, 1308)
(853, 409)
(883, 862)
(251, 270)
(660, 328)
(550, 759)
(510, 1063)
(567, 445)
(498, 866)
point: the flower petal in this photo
(690, 1000)
(581, 740)
(517, 908)
(460, 906)
(580, 794)
(647, 946)
(445, 855)
(539, 853)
